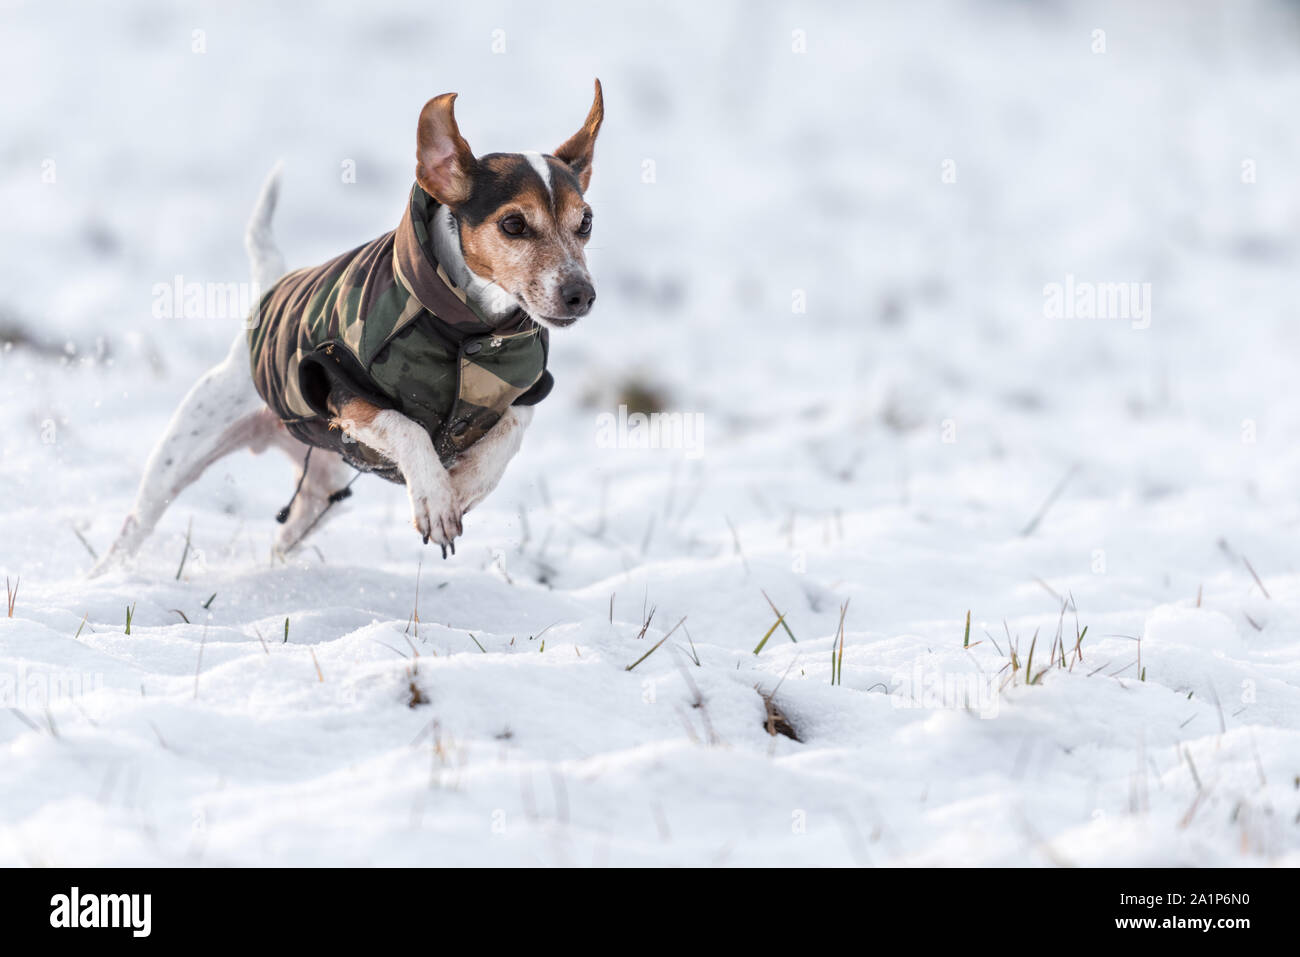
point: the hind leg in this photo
(221, 414)
(326, 473)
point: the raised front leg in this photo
(435, 511)
(480, 467)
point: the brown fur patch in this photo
(355, 412)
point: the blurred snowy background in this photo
(826, 229)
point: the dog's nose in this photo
(578, 295)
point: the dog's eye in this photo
(514, 225)
(584, 227)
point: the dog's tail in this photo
(263, 254)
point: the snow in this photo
(887, 447)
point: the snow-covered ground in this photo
(834, 261)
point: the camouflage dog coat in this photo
(386, 323)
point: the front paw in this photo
(436, 515)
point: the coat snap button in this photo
(473, 347)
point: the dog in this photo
(418, 356)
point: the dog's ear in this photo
(578, 148)
(444, 165)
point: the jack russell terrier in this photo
(418, 356)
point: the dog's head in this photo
(522, 221)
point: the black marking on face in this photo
(499, 178)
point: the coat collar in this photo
(418, 270)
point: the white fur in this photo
(480, 467)
(542, 168)
(263, 254)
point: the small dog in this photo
(418, 356)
